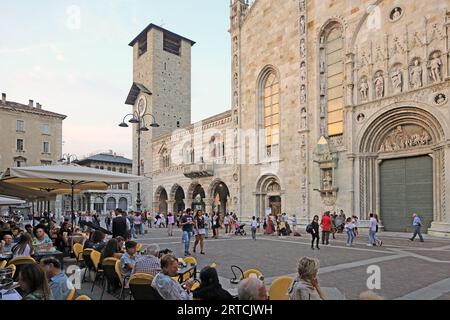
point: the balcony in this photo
(201, 170)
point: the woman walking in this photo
(349, 228)
(199, 225)
(170, 223)
(315, 232)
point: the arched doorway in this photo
(401, 167)
(268, 196)
(178, 196)
(162, 199)
(123, 204)
(221, 197)
(111, 204)
(198, 196)
(99, 204)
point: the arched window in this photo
(333, 79)
(271, 104)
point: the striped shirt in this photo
(147, 264)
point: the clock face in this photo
(142, 106)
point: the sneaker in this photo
(369, 245)
(422, 241)
(348, 245)
(318, 248)
(411, 239)
(312, 248)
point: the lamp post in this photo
(139, 119)
(68, 159)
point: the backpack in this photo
(309, 228)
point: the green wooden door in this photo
(406, 186)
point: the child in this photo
(258, 224)
(349, 228)
(356, 223)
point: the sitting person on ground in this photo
(168, 288)
(128, 260)
(210, 287)
(370, 295)
(41, 240)
(306, 285)
(33, 282)
(6, 244)
(150, 262)
(58, 282)
(252, 288)
(23, 248)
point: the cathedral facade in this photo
(335, 105)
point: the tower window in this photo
(172, 44)
(142, 45)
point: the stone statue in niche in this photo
(327, 181)
(323, 87)
(416, 74)
(322, 65)
(236, 81)
(303, 94)
(379, 85)
(364, 90)
(302, 48)
(322, 107)
(435, 67)
(302, 5)
(323, 128)
(302, 25)
(236, 117)
(304, 118)
(236, 99)
(397, 80)
(303, 72)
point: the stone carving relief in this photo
(440, 99)
(435, 67)
(304, 116)
(360, 117)
(364, 89)
(302, 48)
(396, 14)
(303, 72)
(397, 79)
(415, 74)
(273, 187)
(405, 137)
(323, 87)
(302, 24)
(322, 108)
(302, 5)
(303, 94)
(379, 85)
(327, 180)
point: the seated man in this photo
(168, 288)
(58, 282)
(128, 260)
(6, 244)
(41, 241)
(149, 263)
(252, 289)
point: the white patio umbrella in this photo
(5, 201)
(62, 179)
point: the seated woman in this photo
(210, 287)
(306, 286)
(111, 250)
(33, 282)
(24, 248)
(41, 240)
(96, 242)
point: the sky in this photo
(73, 58)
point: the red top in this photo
(326, 223)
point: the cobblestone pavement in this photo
(409, 270)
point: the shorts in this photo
(201, 232)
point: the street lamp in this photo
(68, 159)
(139, 119)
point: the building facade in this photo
(334, 105)
(100, 201)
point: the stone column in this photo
(170, 204)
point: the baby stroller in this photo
(240, 230)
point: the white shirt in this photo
(225, 220)
(373, 224)
(254, 224)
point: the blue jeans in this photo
(372, 237)
(254, 233)
(186, 239)
(350, 237)
(417, 232)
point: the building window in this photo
(46, 147)
(46, 129)
(20, 126)
(114, 169)
(335, 78)
(125, 171)
(142, 43)
(46, 163)
(165, 159)
(19, 145)
(172, 44)
(109, 168)
(102, 168)
(271, 103)
(125, 186)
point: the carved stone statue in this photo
(302, 48)
(303, 94)
(302, 25)
(327, 180)
(364, 90)
(435, 67)
(323, 128)
(397, 80)
(399, 139)
(303, 72)
(323, 87)
(416, 75)
(322, 65)
(440, 98)
(322, 107)
(379, 86)
(396, 14)
(304, 118)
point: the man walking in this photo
(187, 224)
(254, 226)
(417, 224)
(326, 227)
(373, 223)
